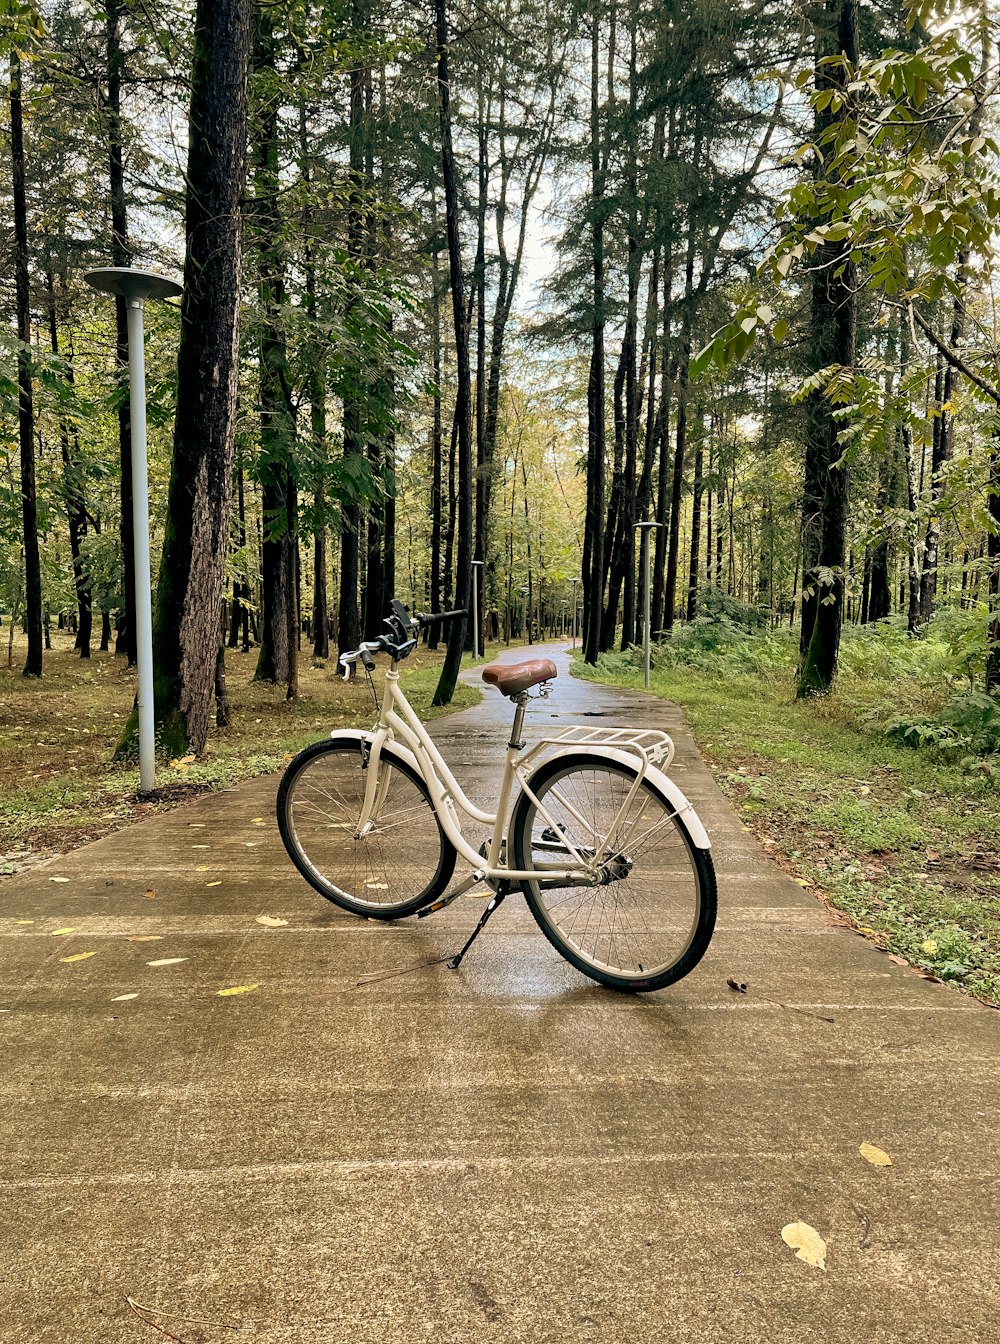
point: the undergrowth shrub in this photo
(968, 723)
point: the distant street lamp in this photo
(475, 610)
(645, 529)
(136, 287)
(574, 582)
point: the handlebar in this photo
(422, 618)
(400, 639)
(362, 655)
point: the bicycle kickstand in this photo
(495, 900)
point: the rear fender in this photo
(659, 780)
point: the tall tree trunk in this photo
(196, 531)
(241, 588)
(833, 327)
(25, 404)
(121, 255)
(278, 657)
(993, 567)
(680, 443)
(435, 592)
(463, 407)
(317, 405)
(693, 567)
(76, 509)
(593, 551)
(479, 290)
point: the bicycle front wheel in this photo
(650, 919)
(401, 862)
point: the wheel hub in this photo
(617, 867)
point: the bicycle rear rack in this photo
(650, 745)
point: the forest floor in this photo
(60, 786)
(904, 842)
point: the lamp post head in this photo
(134, 286)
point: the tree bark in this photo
(833, 328)
(463, 408)
(593, 550)
(121, 255)
(76, 509)
(25, 404)
(196, 533)
(435, 590)
(993, 568)
(278, 658)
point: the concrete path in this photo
(503, 1154)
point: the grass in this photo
(61, 788)
(905, 842)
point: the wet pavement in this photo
(502, 1153)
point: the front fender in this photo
(389, 748)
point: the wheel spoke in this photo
(640, 922)
(396, 860)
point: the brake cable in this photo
(371, 687)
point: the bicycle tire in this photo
(559, 919)
(354, 873)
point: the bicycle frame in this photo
(398, 722)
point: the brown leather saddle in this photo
(513, 678)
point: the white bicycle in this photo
(613, 861)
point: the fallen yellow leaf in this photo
(56, 932)
(874, 1155)
(214, 884)
(149, 894)
(255, 821)
(58, 879)
(802, 882)
(929, 946)
(24, 921)
(270, 921)
(146, 938)
(121, 998)
(79, 956)
(203, 868)
(236, 989)
(167, 961)
(806, 1242)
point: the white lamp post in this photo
(574, 582)
(476, 564)
(645, 529)
(136, 287)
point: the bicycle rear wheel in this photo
(651, 918)
(402, 862)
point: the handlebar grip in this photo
(424, 618)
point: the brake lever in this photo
(348, 671)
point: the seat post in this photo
(521, 701)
